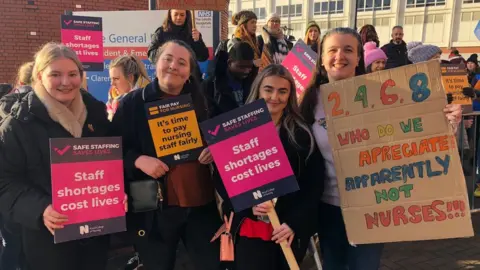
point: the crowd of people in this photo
(50, 100)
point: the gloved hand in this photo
(449, 98)
(469, 92)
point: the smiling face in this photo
(173, 68)
(119, 81)
(340, 56)
(378, 65)
(178, 16)
(276, 91)
(62, 80)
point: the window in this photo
(260, 12)
(471, 1)
(416, 19)
(425, 3)
(362, 22)
(381, 22)
(230, 14)
(293, 11)
(328, 7)
(470, 16)
(369, 5)
(296, 29)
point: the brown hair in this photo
(192, 86)
(292, 117)
(307, 38)
(167, 23)
(320, 76)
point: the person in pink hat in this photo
(374, 57)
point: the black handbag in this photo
(146, 195)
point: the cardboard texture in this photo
(218, 5)
(398, 169)
(454, 79)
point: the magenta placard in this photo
(85, 200)
(264, 163)
(84, 36)
(300, 61)
(87, 44)
(88, 186)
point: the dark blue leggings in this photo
(337, 253)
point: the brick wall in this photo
(18, 18)
(224, 19)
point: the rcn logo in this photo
(257, 194)
(84, 230)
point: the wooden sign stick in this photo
(194, 26)
(287, 250)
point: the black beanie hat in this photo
(241, 51)
(473, 58)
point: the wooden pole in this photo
(194, 26)
(287, 250)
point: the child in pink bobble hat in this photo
(375, 58)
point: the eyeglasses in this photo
(275, 21)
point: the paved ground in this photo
(438, 255)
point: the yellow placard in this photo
(175, 133)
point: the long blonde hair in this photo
(292, 118)
(49, 53)
(24, 74)
(131, 65)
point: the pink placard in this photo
(88, 45)
(264, 163)
(88, 191)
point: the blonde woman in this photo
(126, 74)
(55, 108)
(312, 35)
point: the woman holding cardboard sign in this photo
(341, 57)
(257, 242)
(55, 108)
(185, 207)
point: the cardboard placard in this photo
(249, 155)
(174, 129)
(454, 79)
(396, 159)
(84, 36)
(301, 61)
(87, 186)
(218, 5)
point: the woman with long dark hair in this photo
(188, 211)
(178, 25)
(257, 243)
